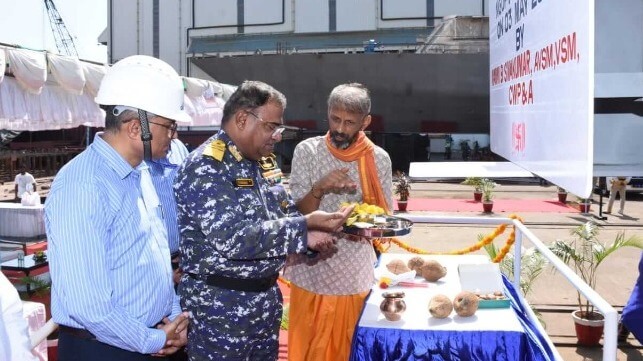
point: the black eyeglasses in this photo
(172, 127)
(276, 128)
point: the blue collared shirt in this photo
(108, 275)
(163, 173)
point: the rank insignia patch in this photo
(235, 152)
(273, 176)
(268, 163)
(244, 182)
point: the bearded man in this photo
(328, 291)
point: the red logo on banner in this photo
(518, 133)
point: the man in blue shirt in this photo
(163, 173)
(112, 289)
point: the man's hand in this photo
(328, 222)
(321, 241)
(176, 334)
(176, 270)
(337, 181)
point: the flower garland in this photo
(379, 243)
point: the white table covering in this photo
(17, 220)
(417, 315)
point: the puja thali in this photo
(383, 226)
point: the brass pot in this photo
(393, 305)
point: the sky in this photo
(26, 23)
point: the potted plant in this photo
(402, 187)
(562, 195)
(584, 204)
(476, 183)
(487, 194)
(584, 253)
(38, 290)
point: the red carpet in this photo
(499, 205)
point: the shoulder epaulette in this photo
(215, 150)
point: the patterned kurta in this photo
(233, 223)
(350, 270)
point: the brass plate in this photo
(391, 227)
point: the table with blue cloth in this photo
(491, 334)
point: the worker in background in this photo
(22, 180)
(617, 185)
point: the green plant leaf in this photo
(584, 253)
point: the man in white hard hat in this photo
(112, 291)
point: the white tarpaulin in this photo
(93, 76)
(29, 101)
(3, 63)
(29, 67)
(53, 108)
(68, 72)
(203, 101)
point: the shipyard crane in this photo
(64, 41)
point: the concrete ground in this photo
(551, 294)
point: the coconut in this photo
(432, 270)
(397, 266)
(440, 306)
(416, 263)
(465, 304)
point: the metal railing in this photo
(610, 314)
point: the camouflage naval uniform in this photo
(233, 223)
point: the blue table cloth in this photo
(388, 344)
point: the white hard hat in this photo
(145, 83)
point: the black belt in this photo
(238, 284)
(77, 332)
